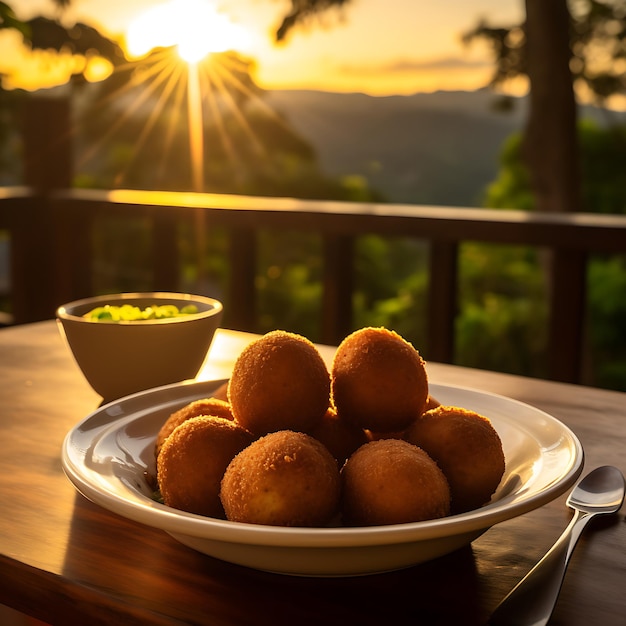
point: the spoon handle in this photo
(532, 600)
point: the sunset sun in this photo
(195, 27)
(209, 85)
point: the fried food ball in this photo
(378, 380)
(283, 479)
(221, 393)
(193, 460)
(375, 436)
(279, 382)
(432, 403)
(340, 437)
(391, 481)
(205, 406)
(468, 450)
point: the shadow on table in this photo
(143, 569)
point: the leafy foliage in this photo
(8, 19)
(603, 151)
(503, 315)
(597, 43)
(302, 11)
(607, 289)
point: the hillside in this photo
(440, 148)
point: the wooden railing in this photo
(51, 253)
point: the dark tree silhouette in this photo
(46, 34)
(8, 19)
(550, 141)
(302, 11)
(556, 50)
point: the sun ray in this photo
(211, 97)
(172, 127)
(158, 62)
(196, 131)
(217, 89)
(171, 82)
(218, 120)
(218, 81)
(143, 96)
(228, 77)
(247, 92)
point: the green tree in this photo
(8, 19)
(558, 49)
(603, 154)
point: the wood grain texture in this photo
(66, 560)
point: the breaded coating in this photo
(283, 479)
(221, 393)
(467, 448)
(193, 460)
(340, 437)
(205, 406)
(279, 382)
(379, 380)
(390, 481)
(432, 403)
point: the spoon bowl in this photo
(601, 491)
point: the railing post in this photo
(567, 294)
(74, 251)
(165, 253)
(338, 286)
(442, 300)
(35, 249)
(240, 312)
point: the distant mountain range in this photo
(437, 148)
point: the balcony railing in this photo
(51, 254)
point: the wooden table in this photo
(65, 560)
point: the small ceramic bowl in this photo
(121, 358)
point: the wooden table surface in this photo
(65, 560)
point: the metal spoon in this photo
(532, 601)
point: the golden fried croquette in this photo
(379, 380)
(375, 436)
(221, 393)
(391, 481)
(468, 450)
(399, 434)
(205, 406)
(279, 382)
(193, 460)
(283, 479)
(431, 403)
(340, 437)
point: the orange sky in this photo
(377, 47)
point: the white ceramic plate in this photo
(107, 455)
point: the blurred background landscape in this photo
(404, 103)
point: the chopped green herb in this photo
(130, 313)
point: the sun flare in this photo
(195, 27)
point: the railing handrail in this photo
(583, 231)
(51, 252)
(15, 192)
